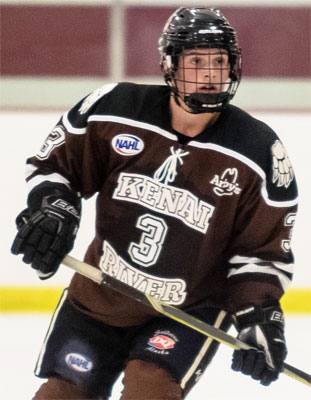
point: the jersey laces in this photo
(167, 172)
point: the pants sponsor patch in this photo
(162, 342)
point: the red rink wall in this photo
(54, 40)
(275, 41)
(75, 40)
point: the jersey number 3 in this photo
(147, 251)
(55, 139)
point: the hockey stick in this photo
(174, 313)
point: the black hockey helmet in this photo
(200, 28)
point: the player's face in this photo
(203, 71)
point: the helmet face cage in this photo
(200, 59)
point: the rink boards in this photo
(44, 299)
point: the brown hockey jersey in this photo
(195, 222)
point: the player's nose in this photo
(209, 74)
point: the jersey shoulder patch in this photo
(75, 120)
(93, 97)
(258, 142)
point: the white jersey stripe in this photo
(210, 146)
(70, 128)
(253, 268)
(57, 178)
(202, 352)
(253, 260)
(30, 169)
(50, 330)
(132, 122)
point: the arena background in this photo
(55, 52)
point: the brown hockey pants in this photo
(142, 381)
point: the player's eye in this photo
(222, 61)
(196, 61)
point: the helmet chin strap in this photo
(168, 80)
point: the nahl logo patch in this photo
(78, 362)
(127, 144)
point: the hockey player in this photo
(196, 200)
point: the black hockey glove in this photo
(46, 235)
(263, 329)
